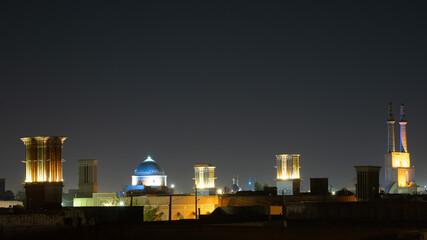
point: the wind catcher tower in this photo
(288, 179)
(43, 183)
(204, 179)
(88, 177)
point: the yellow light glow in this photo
(204, 176)
(288, 166)
(43, 158)
(403, 179)
(400, 159)
(203, 186)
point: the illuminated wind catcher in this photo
(204, 179)
(43, 182)
(288, 178)
(399, 174)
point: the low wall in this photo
(26, 221)
(106, 215)
(70, 217)
(367, 211)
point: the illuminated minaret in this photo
(399, 174)
(402, 123)
(390, 124)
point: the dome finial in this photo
(148, 158)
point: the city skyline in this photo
(230, 84)
(271, 184)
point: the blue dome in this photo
(148, 167)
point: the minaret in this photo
(402, 123)
(390, 125)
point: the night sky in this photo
(231, 83)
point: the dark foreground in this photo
(255, 230)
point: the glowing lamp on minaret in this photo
(43, 181)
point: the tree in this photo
(150, 213)
(20, 196)
(258, 186)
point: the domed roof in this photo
(234, 188)
(148, 167)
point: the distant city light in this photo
(219, 191)
(121, 203)
(333, 192)
(172, 185)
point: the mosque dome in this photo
(234, 188)
(148, 167)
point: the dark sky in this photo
(231, 83)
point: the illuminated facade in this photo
(399, 174)
(287, 166)
(43, 181)
(43, 159)
(182, 205)
(204, 179)
(288, 177)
